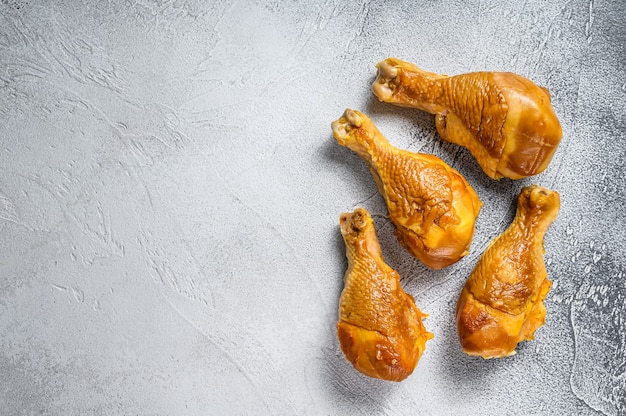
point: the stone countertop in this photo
(170, 192)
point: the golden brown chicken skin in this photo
(505, 120)
(380, 329)
(432, 206)
(502, 301)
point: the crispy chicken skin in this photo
(432, 205)
(380, 329)
(505, 120)
(502, 301)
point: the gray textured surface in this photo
(170, 194)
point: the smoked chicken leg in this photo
(432, 205)
(505, 120)
(380, 329)
(502, 301)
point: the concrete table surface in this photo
(170, 192)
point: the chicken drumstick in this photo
(502, 301)
(505, 120)
(432, 205)
(380, 329)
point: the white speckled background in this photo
(170, 193)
